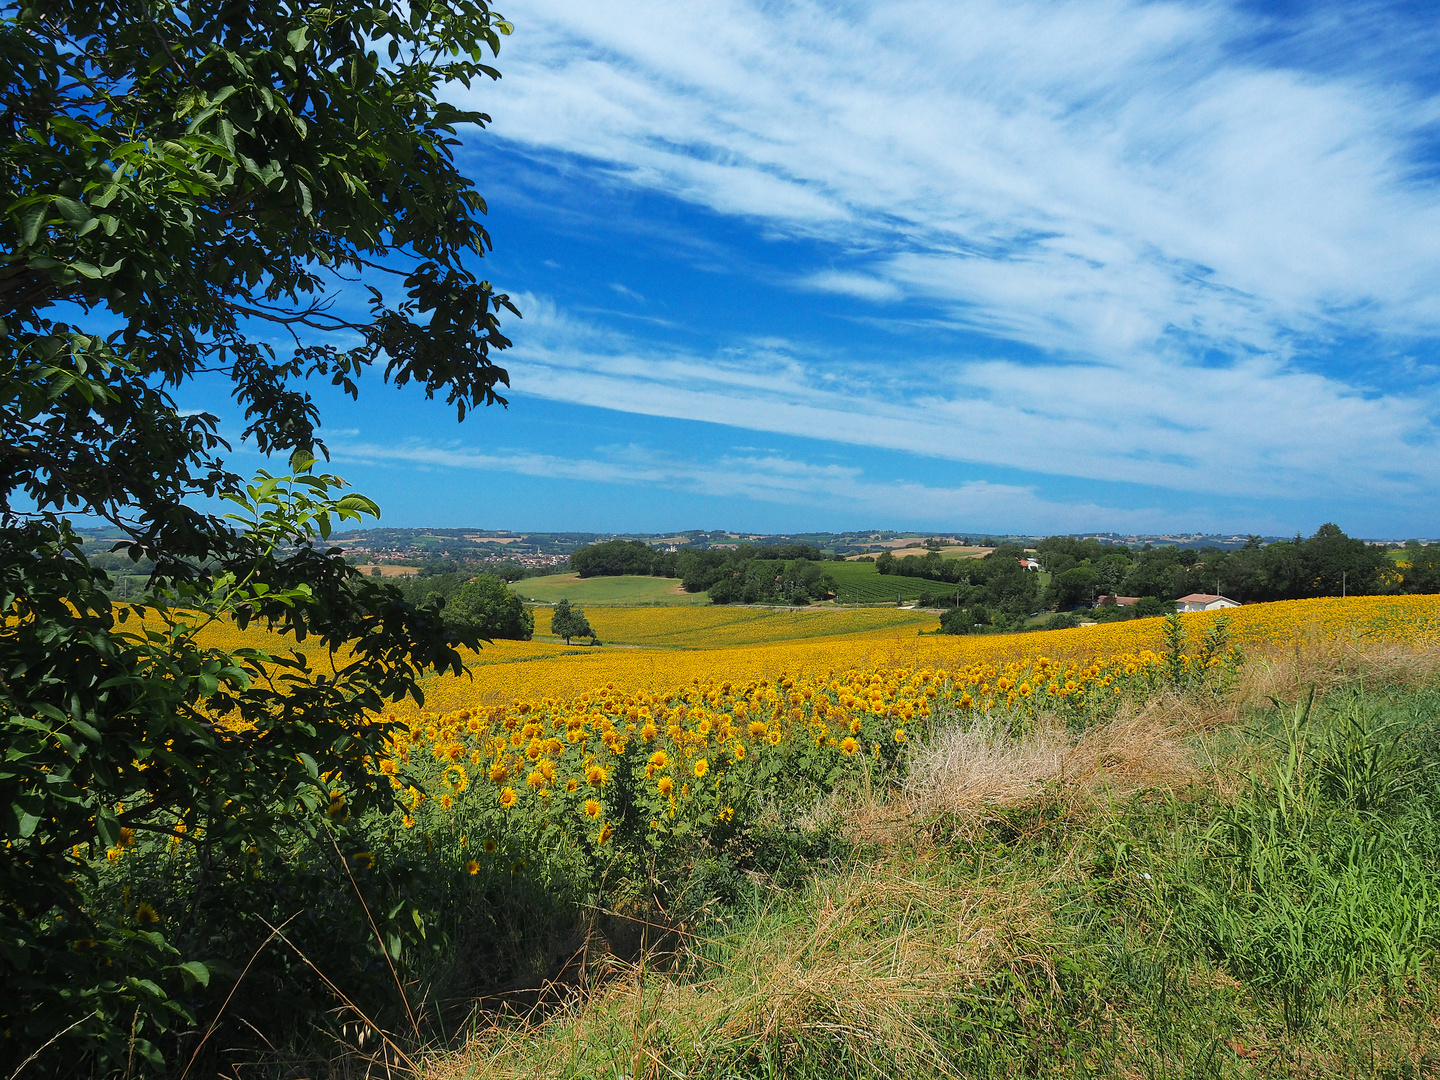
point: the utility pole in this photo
(1343, 575)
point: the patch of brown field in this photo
(868, 957)
(901, 548)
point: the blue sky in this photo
(1007, 266)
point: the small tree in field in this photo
(570, 622)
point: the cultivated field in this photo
(857, 583)
(596, 591)
(658, 648)
(860, 583)
(678, 645)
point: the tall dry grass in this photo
(980, 765)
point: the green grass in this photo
(626, 591)
(861, 583)
(858, 583)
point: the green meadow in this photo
(627, 591)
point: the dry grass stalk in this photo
(1289, 673)
(981, 766)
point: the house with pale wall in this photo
(1204, 602)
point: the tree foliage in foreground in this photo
(186, 185)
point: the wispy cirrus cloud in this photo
(1249, 429)
(776, 478)
(1082, 176)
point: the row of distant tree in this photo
(998, 590)
(747, 573)
(1329, 563)
(1081, 571)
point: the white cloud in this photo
(769, 477)
(627, 292)
(1077, 175)
(1181, 225)
(1249, 429)
(864, 286)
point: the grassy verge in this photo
(1204, 886)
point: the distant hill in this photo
(554, 548)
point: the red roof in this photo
(1201, 598)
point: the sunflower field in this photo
(643, 768)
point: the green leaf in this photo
(196, 972)
(298, 39)
(72, 210)
(26, 816)
(30, 222)
(107, 827)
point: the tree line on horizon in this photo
(1081, 572)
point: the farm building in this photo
(1204, 602)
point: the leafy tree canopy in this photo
(485, 606)
(613, 558)
(187, 187)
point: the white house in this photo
(1200, 601)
